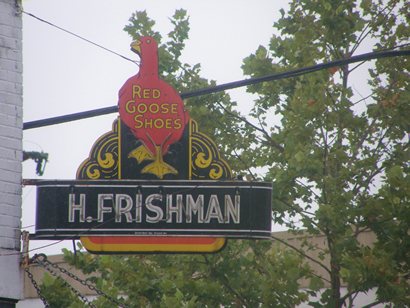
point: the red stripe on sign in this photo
(153, 240)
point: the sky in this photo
(63, 75)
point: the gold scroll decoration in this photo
(206, 162)
(103, 160)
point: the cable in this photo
(70, 117)
(15, 253)
(226, 86)
(56, 241)
(80, 37)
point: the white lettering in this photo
(177, 209)
(196, 207)
(214, 210)
(154, 208)
(138, 207)
(169, 208)
(120, 209)
(103, 209)
(73, 207)
(231, 210)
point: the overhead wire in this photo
(204, 91)
(227, 86)
(78, 36)
(74, 237)
(200, 92)
(15, 253)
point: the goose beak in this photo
(136, 47)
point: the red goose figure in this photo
(152, 109)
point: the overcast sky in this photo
(64, 75)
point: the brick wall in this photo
(11, 91)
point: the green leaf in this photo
(334, 144)
(316, 283)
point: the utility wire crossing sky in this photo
(231, 85)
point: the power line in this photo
(15, 253)
(227, 86)
(78, 36)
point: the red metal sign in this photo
(153, 112)
(154, 183)
(152, 109)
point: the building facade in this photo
(11, 123)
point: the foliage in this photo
(245, 274)
(342, 167)
(338, 156)
(57, 294)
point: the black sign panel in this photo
(68, 209)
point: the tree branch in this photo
(364, 34)
(225, 282)
(272, 142)
(372, 304)
(357, 66)
(377, 169)
(325, 170)
(302, 253)
(363, 98)
(351, 297)
(245, 165)
(362, 140)
(307, 187)
(301, 212)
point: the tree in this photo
(245, 273)
(338, 158)
(341, 166)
